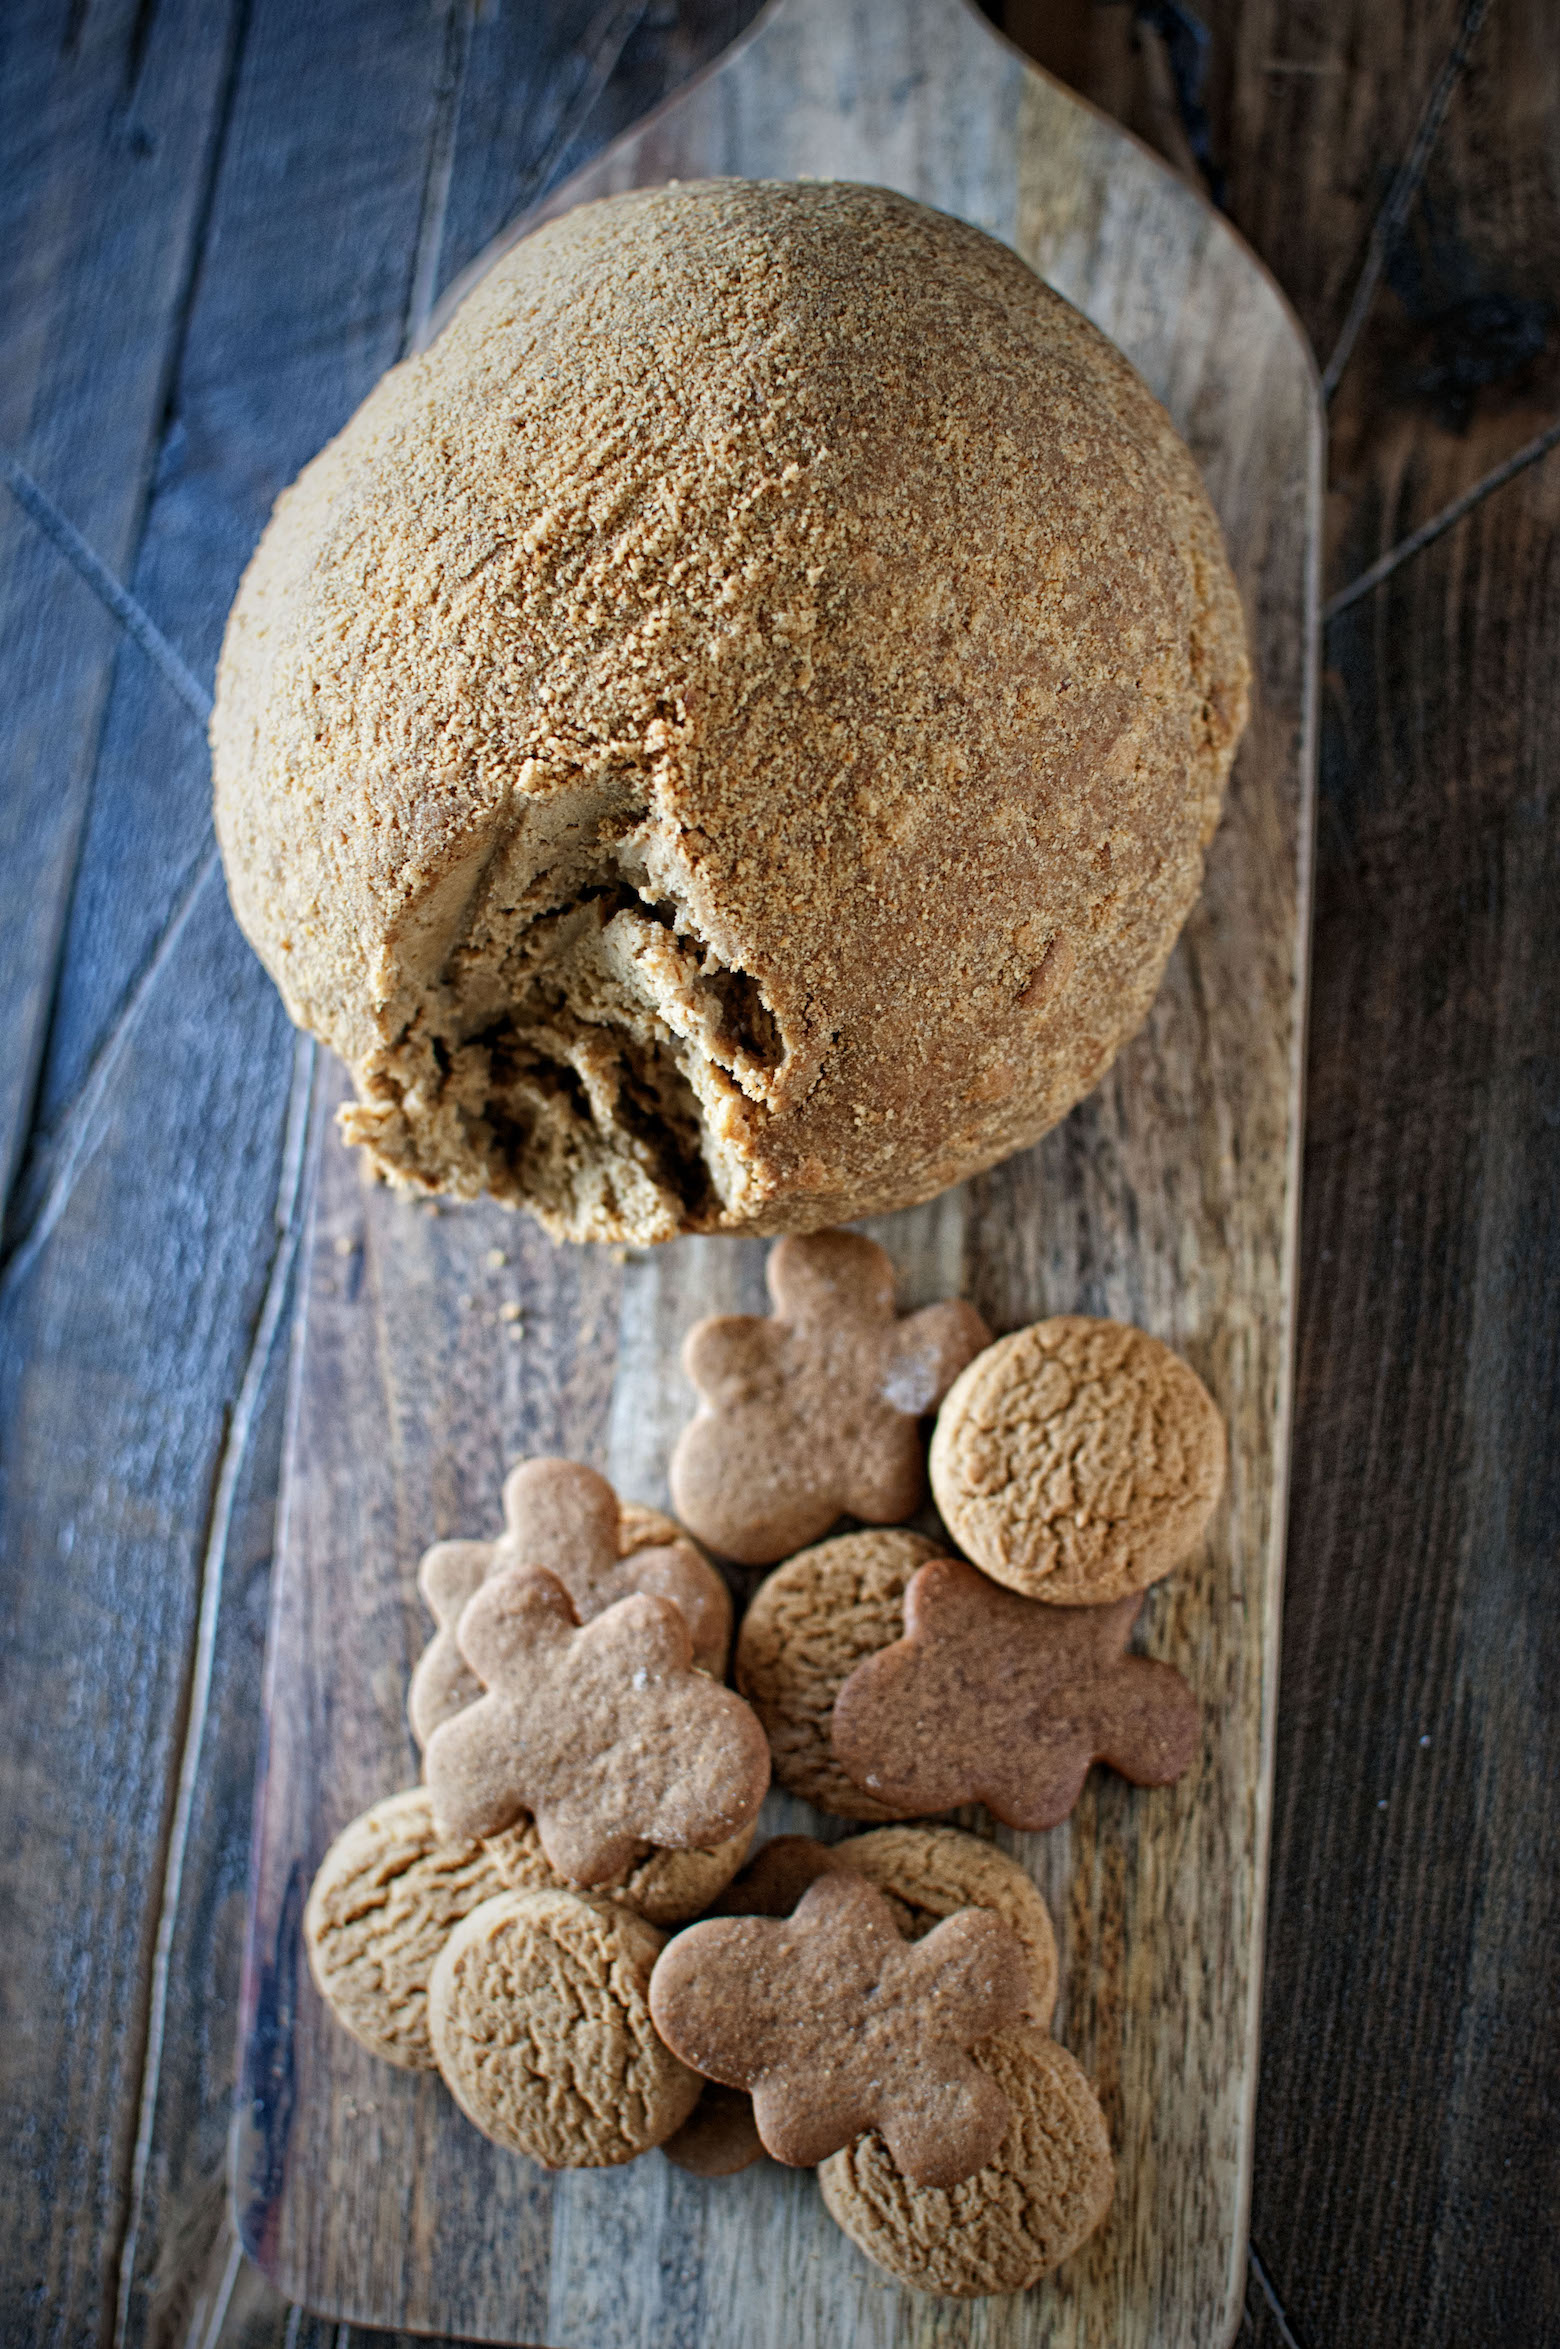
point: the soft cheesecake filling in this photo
(577, 1047)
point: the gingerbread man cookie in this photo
(604, 1732)
(562, 1515)
(813, 1411)
(998, 1699)
(836, 2025)
(1077, 1460)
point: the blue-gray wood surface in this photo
(218, 224)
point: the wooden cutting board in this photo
(1168, 1198)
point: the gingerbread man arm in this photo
(442, 1681)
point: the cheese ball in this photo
(726, 740)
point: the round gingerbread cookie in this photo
(927, 1873)
(386, 1899)
(538, 2010)
(664, 1887)
(1045, 2191)
(810, 1624)
(1077, 1460)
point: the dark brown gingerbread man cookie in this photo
(998, 1699)
(836, 2025)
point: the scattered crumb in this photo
(510, 1312)
(466, 1304)
(497, 1259)
(344, 1245)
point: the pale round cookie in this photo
(927, 1873)
(1077, 1460)
(664, 1887)
(1045, 2192)
(810, 1624)
(727, 737)
(387, 1896)
(539, 2014)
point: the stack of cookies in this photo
(559, 1918)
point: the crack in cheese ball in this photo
(726, 740)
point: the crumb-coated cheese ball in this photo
(727, 739)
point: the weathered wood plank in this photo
(1420, 1750)
(127, 1340)
(107, 121)
(1168, 1199)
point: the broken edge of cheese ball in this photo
(726, 741)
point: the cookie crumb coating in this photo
(1045, 2191)
(538, 2011)
(810, 1624)
(726, 739)
(386, 1898)
(1077, 1460)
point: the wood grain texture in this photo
(107, 131)
(1168, 1199)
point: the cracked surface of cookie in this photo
(386, 1897)
(727, 738)
(1046, 2189)
(602, 1732)
(813, 1411)
(836, 2025)
(539, 2018)
(667, 1887)
(994, 1698)
(563, 1516)
(1077, 1460)
(809, 1625)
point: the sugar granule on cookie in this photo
(1044, 2191)
(603, 1731)
(836, 2025)
(1077, 1460)
(994, 1698)
(385, 1899)
(812, 1411)
(563, 1516)
(808, 1627)
(539, 2018)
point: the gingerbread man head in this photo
(836, 2025)
(812, 1411)
(561, 1515)
(603, 1732)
